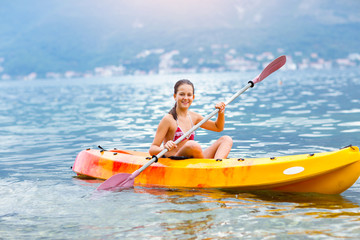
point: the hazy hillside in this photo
(55, 36)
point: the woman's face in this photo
(184, 96)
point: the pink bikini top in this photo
(179, 132)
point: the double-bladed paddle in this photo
(122, 181)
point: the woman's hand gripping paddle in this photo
(122, 181)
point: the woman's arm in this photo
(161, 132)
(218, 125)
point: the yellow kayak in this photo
(327, 173)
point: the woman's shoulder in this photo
(168, 118)
(196, 117)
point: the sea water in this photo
(44, 124)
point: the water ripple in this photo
(44, 124)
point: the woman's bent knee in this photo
(192, 145)
(193, 148)
(227, 139)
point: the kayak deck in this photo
(328, 172)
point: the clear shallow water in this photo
(44, 124)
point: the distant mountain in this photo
(60, 35)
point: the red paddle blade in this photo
(272, 67)
(118, 182)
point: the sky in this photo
(187, 13)
(66, 31)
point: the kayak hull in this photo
(327, 173)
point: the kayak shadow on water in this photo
(230, 199)
(301, 200)
(306, 200)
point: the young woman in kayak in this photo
(180, 119)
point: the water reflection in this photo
(189, 227)
(296, 200)
(199, 210)
(273, 203)
(224, 199)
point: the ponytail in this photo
(173, 112)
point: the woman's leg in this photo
(219, 149)
(191, 149)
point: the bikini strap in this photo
(192, 123)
